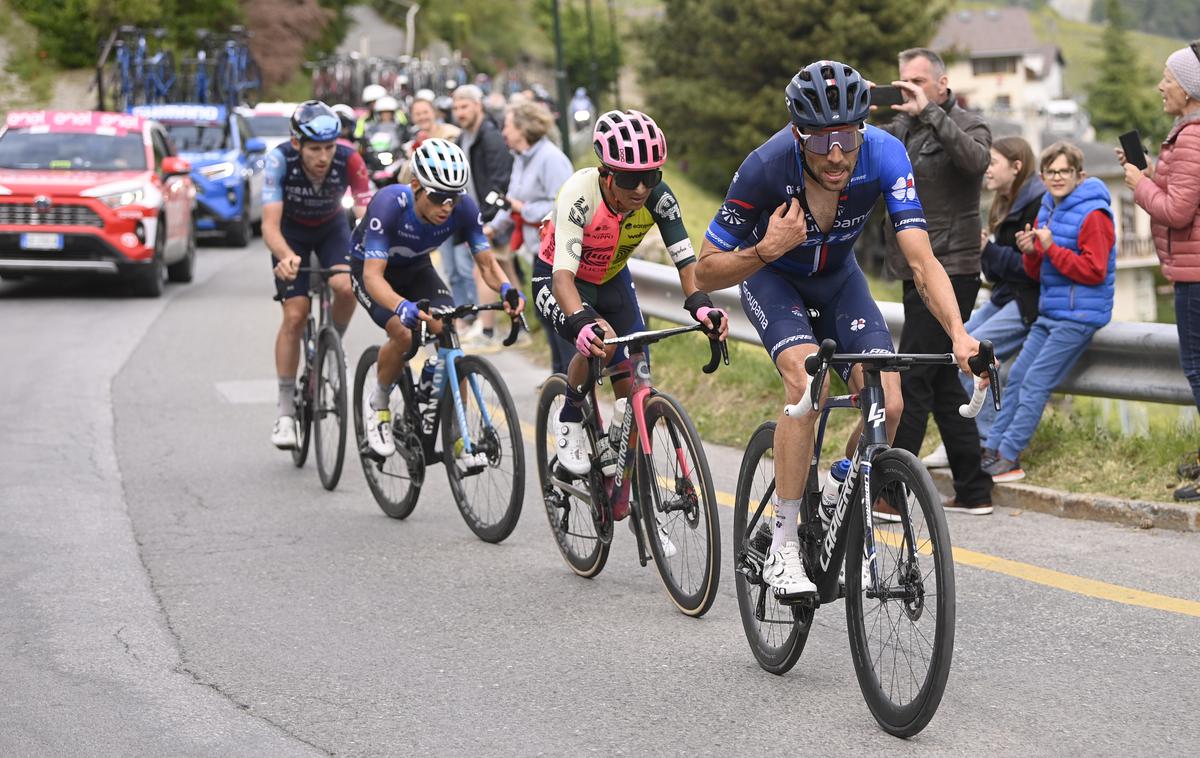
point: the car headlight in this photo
(218, 171)
(120, 199)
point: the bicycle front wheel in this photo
(488, 493)
(776, 632)
(569, 514)
(902, 633)
(329, 416)
(396, 480)
(679, 507)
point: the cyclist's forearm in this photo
(936, 291)
(272, 234)
(687, 279)
(377, 287)
(489, 269)
(718, 269)
(563, 284)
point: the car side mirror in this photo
(256, 145)
(175, 166)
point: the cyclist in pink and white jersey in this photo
(580, 279)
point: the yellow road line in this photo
(1036, 574)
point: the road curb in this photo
(1143, 514)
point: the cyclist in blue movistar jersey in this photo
(303, 185)
(391, 270)
(785, 233)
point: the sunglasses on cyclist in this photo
(848, 139)
(443, 198)
(629, 180)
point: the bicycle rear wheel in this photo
(679, 507)
(570, 516)
(329, 417)
(902, 635)
(776, 632)
(395, 481)
(305, 397)
(489, 497)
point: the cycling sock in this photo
(572, 410)
(379, 397)
(341, 328)
(286, 402)
(787, 512)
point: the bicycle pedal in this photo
(797, 600)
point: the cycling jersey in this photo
(774, 172)
(284, 181)
(391, 230)
(598, 241)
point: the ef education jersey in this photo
(284, 181)
(773, 173)
(391, 230)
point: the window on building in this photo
(981, 66)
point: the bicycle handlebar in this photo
(422, 305)
(324, 273)
(449, 314)
(719, 350)
(817, 366)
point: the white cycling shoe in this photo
(783, 571)
(572, 448)
(379, 431)
(668, 548)
(283, 436)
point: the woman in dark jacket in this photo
(1006, 317)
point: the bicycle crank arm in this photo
(572, 490)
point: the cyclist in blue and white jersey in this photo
(390, 267)
(785, 233)
(303, 185)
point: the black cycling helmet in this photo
(827, 93)
(314, 121)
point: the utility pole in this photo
(614, 53)
(595, 87)
(560, 77)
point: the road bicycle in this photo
(199, 84)
(321, 387)
(158, 70)
(238, 78)
(901, 623)
(138, 77)
(659, 457)
(469, 403)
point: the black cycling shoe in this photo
(1189, 492)
(1190, 467)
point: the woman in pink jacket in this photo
(1169, 191)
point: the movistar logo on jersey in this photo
(904, 189)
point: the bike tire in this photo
(304, 399)
(251, 84)
(395, 482)
(899, 477)
(570, 519)
(776, 632)
(677, 497)
(489, 500)
(331, 404)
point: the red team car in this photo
(92, 192)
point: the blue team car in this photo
(227, 166)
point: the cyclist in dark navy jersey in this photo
(785, 233)
(303, 186)
(391, 270)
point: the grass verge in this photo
(25, 61)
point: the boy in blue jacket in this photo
(1073, 252)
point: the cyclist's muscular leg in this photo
(287, 341)
(794, 436)
(343, 300)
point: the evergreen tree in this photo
(714, 71)
(1123, 96)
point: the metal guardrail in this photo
(1125, 360)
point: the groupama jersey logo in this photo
(904, 189)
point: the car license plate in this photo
(41, 241)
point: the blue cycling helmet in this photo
(827, 93)
(314, 121)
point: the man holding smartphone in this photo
(950, 150)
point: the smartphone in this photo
(886, 95)
(1131, 143)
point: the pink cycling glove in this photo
(583, 341)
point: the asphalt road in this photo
(174, 586)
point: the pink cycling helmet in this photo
(629, 141)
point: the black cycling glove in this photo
(695, 301)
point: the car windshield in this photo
(76, 151)
(270, 126)
(199, 138)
